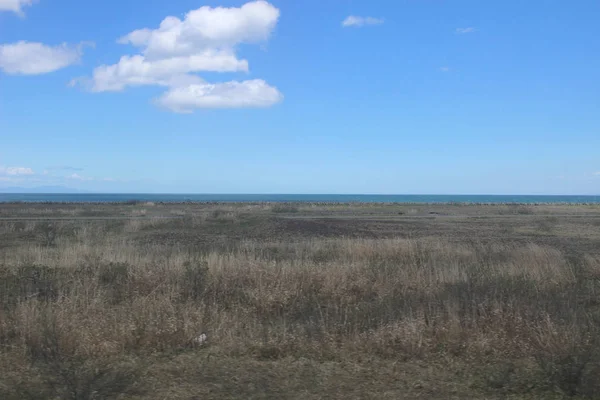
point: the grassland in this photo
(299, 301)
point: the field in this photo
(299, 301)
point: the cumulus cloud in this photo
(357, 22)
(32, 58)
(251, 93)
(206, 28)
(205, 40)
(173, 71)
(463, 31)
(15, 6)
(15, 171)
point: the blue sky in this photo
(346, 96)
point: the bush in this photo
(547, 224)
(223, 216)
(195, 277)
(48, 231)
(284, 209)
(569, 357)
(132, 202)
(28, 281)
(115, 278)
(61, 367)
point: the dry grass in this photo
(96, 314)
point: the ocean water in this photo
(343, 198)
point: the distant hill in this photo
(41, 189)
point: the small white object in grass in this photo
(200, 339)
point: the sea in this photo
(316, 198)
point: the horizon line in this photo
(296, 194)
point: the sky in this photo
(337, 96)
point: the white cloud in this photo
(15, 171)
(597, 173)
(31, 58)
(252, 93)
(445, 69)
(63, 168)
(15, 6)
(78, 177)
(463, 31)
(205, 40)
(206, 28)
(357, 22)
(137, 71)
(26, 175)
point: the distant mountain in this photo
(41, 189)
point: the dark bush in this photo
(28, 281)
(48, 231)
(284, 209)
(194, 280)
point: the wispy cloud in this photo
(16, 174)
(357, 22)
(63, 168)
(15, 6)
(464, 31)
(33, 58)
(81, 178)
(53, 175)
(597, 173)
(15, 171)
(445, 69)
(78, 177)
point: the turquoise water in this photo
(344, 198)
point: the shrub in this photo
(569, 357)
(284, 209)
(194, 280)
(547, 224)
(28, 281)
(48, 231)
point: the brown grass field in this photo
(299, 301)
